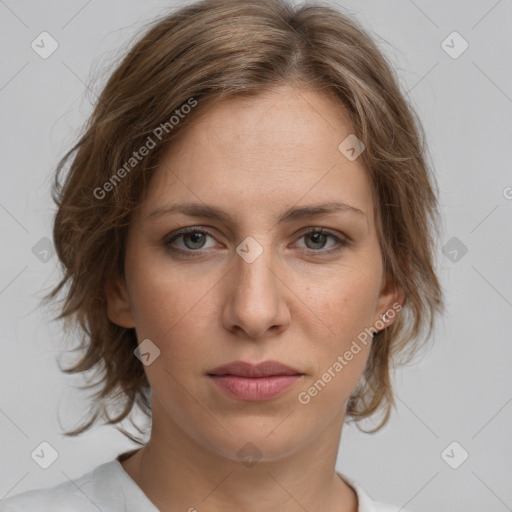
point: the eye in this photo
(319, 237)
(193, 240)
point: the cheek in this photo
(170, 308)
(341, 308)
(161, 293)
(340, 353)
(345, 304)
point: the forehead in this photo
(263, 153)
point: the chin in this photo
(257, 441)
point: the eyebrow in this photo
(293, 214)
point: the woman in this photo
(247, 233)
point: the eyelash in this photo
(340, 242)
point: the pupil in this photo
(316, 236)
(195, 237)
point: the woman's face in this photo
(252, 286)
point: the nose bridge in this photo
(256, 303)
(253, 269)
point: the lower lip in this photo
(254, 389)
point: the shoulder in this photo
(367, 504)
(88, 493)
(386, 507)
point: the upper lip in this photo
(264, 369)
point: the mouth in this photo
(248, 382)
(264, 369)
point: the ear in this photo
(119, 310)
(391, 299)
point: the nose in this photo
(257, 297)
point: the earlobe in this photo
(119, 309)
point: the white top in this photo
(109, 488)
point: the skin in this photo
(295, 303)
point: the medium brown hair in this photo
(206, 52)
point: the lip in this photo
(245, 381)
(264, 369)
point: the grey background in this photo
(461, 391)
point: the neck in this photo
(177, 472)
